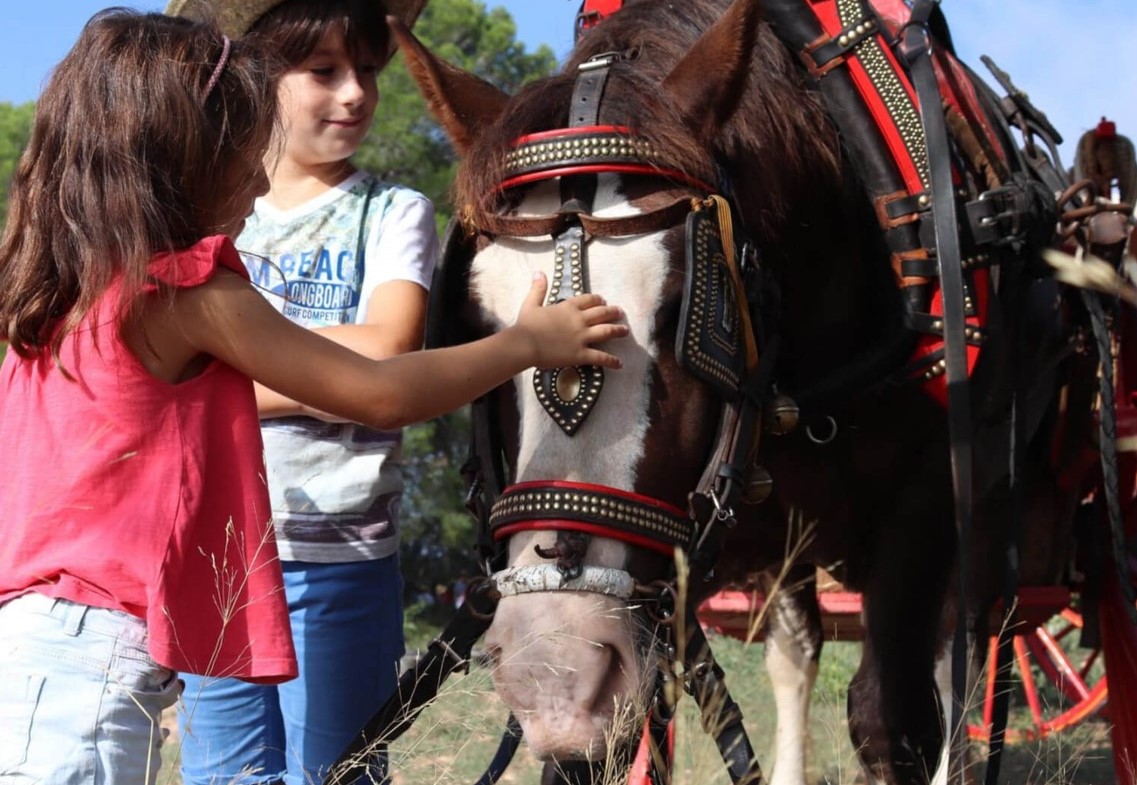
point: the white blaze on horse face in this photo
(626, 272)
(567, 660)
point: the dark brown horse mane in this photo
(780, 128)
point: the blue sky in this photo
(1068, 55)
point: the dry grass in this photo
(456, 736)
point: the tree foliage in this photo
(15, 128)
(406, 145)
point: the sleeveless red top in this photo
(122, 491)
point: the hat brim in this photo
(235, 17)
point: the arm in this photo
(229, 320)
(396, 318)
(401, 249)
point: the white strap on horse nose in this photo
(546, 577)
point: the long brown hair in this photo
(125, 160)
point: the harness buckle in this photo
(996, 217)
(723, 514)
(1020, 213)
(602, 60)
(460, 663)
(473, 495)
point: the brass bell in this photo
(782, 415)
(759, 485)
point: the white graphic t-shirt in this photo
(335, 488)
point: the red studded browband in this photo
(592, 149)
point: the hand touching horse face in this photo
(570, 663)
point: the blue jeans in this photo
(80, 697)
(347, 624)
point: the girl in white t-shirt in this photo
(343, 253)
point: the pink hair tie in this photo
(215, 77)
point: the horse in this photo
(668, 107)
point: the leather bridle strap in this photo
(595, 149)
(506, 748)
(915, 47)
(623, 226)
(721, 716)
(592, 509)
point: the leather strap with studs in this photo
(592, 509)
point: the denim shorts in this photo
(80, 697)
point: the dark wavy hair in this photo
(125, 160)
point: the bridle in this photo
(715, 342)
(574, 156)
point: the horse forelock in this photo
(780, 134)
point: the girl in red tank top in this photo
(135, 537)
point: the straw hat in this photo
(235, 17)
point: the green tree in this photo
(15, 128)
(407, 146)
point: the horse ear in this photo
(461, 101)
(707, 83)
(411, 12)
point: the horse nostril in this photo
(490, 656)
(612, 685)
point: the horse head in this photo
(603, 177)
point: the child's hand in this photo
(564, 334)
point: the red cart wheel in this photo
(1048, 656)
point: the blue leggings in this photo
(347, 623)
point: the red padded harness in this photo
(874, 70)
(889, 98)
(593, 12)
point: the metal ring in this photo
(828, 438)
(662, 609)
(482, 598)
